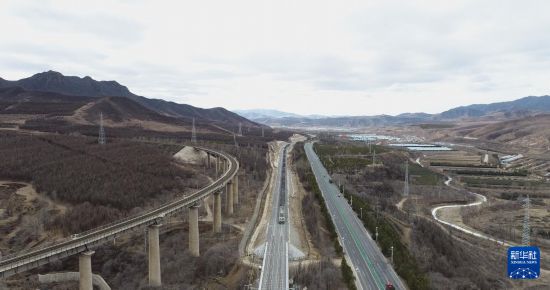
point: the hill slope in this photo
(530, 132)
(48, 109)
(56, 82)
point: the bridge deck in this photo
(20, 262)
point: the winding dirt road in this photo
(448, 215)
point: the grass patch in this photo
(307, 178)
(452, 164)
(423, 176)
(347, 274)
(436, 125)
(347, 158)
(348, 149)
(521, 172)
(481, 182)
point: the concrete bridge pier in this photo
(217, 161)
(236, 189)
(208, 160)
(85, 269)
(154, 256)
(230, 201)
(194, 230)
(217, 212)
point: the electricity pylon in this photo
(101, 139)
(240, 129)
(526, 236)
(194, 133)
(406, 188)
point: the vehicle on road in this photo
(390, 286)
(281, 214)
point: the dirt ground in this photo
(190, 155)
(302, 238)
(23, 213)
(258, 237)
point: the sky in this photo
(307, 57)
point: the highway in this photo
(274, 274)
(372, 269)
(10, 265)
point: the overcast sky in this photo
(308, 57)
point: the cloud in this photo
(100, 25)
(306, 57)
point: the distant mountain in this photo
(265, 113)
(532, 104)
(521, 108)
(52, 81)
(56, 82)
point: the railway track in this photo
(20, 262)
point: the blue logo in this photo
(523, 262)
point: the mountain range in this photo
(520, 108)
(256, 114)
(72, 88)
(52, 93)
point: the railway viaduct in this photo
(84, 243)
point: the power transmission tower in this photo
(194, 133)
(263, 132)
(526, 236)
(374, 157)
(240, 129)
(101, 139)
(406, 188)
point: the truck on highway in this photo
(281, 214)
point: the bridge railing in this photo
(105, 231)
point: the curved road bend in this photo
(372, 269)
(10, 265)
(274, 274)
(480, 200)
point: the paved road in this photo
(275, 265)
(480, 199)
(372, 269)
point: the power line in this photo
(101, 139)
